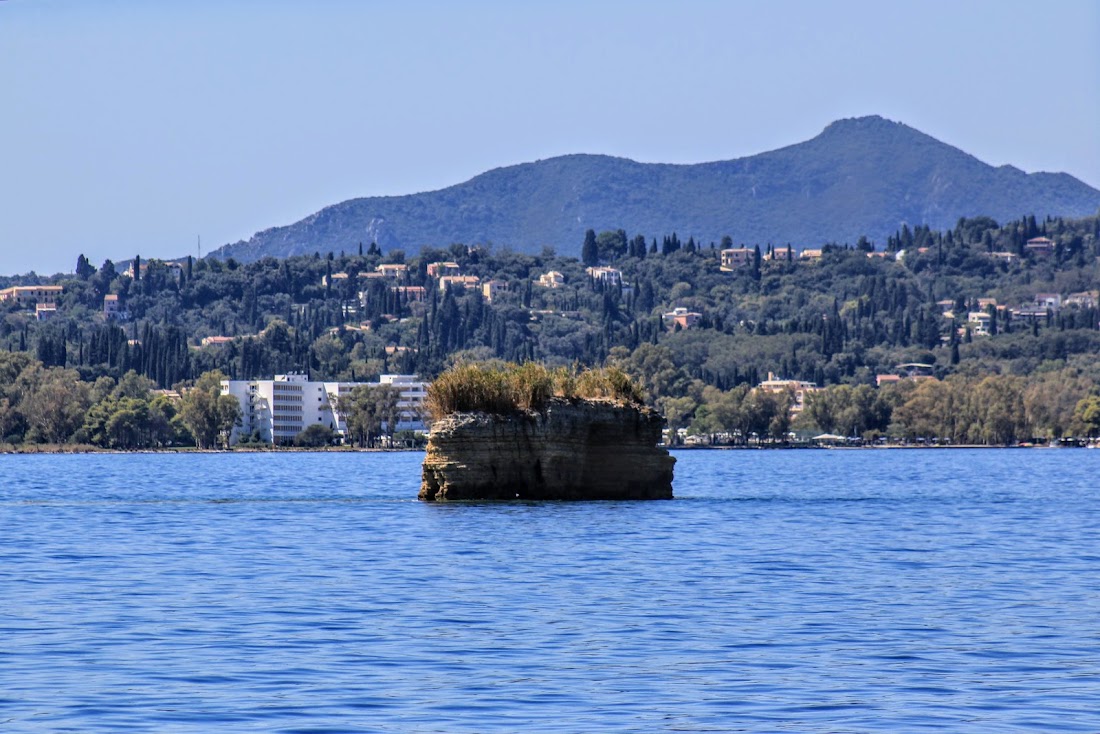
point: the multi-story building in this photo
(980, 323)
(736, 257)
(28, 295)
(448, 282)
(798, 389)
(439, 269)
(281, 408)
(410, 402)
(605, 275)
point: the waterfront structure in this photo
(281, 408)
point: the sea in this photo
(781, 591)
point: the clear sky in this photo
(133, 127)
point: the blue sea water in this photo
(800, 591)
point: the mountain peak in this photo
(860, 176)
(864, 125)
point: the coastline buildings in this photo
(281, 408)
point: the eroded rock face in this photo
(585, 450)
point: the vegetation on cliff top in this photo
(510, 387)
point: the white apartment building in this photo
(410, 402)
(281, 408)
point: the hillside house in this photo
(552, 279)
(681, 317)
(491, 290)
(1053, 301)
(28, 296)
(448, 282)
(113, 309)
(393, 271)
(605, 275)
(979, 323)
(1040, 246)
(1084, 299)
(736, 258)
(439, 269)
(410, 292)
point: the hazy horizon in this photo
(138, 127)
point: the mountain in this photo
(861, 176)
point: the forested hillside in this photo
(865, 176)
(837, 320)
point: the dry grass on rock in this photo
(472, 388)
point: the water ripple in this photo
(891, 591)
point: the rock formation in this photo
(573, 450)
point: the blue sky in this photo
(131, 127)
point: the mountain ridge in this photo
(859, 176)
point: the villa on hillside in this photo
(112, 308)
(1040, 246)
(551, 279)
(980, 323)
(29, 295)
(439, 269)
(447, 282)
(681, 317)
(1053, 301)
(492, 289)
(1005, 257)
(395, 271)
(1084, 299)
(736, 258)
(605, 275)
(408, 292)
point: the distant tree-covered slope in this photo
(865, 176)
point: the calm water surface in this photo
(822, 591)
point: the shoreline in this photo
(54, 449)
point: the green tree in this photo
(590, 252)
(54, 402)
(370, 412)
(1086, 415)
(315, 436)
(209, 415)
